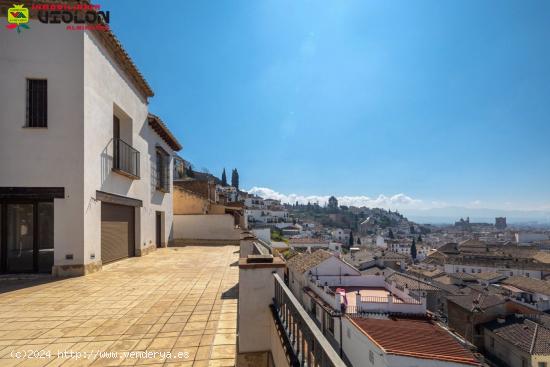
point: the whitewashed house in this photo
(340, 235)
(368, 319)
(85, 167)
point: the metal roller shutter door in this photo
(117, 232)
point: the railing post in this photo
(257, 308)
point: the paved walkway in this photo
(177, 300)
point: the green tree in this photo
(413, 249)
(351, 239)
(419, 238)
(390, 234)
(224, 178)
(358, 240)
(235, 178)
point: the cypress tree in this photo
(413, 249)
(224, 178)
(235, 178)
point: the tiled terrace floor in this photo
(173, 300)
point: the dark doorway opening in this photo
(158, 232)
(26, 236)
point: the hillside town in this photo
(116, 250)
(470, 293)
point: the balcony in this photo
(274, 328)
(125, 159)
(304, 344)
(365, 294)
(162, 171)
(163, 179)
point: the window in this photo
(37, 103)
(331, 324)
(371, 357)
(542, 364)
(163, 170)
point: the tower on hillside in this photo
(332, 202)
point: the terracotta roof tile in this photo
(162, 130)
(410, 282)
(307, 240)
(488, 275)
(527, 335)
(109, 40)
(418, 338)
(477, 300)
(303, 262)
(529, 284)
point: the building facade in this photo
(85, 167)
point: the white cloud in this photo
(382, 201)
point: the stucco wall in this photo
(503, 351)
(362, 351)
(471, 269)
(107, 92)
(52, 156)
(256, 290)
(205, 227)
(85, 88)
(262, 233)
(188, 203)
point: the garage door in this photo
(117, 232)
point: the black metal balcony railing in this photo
(163, 182)
(125, 158)
(304, 343)
(163, 171)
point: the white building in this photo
(254, 202)
(85, 168)
(374, 322)
(404, 248)
(312, 244)
(265, 216)
(230, 193)
(534, 293)
(340, 235)
(508, 270)
(527, 238)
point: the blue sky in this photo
(445, 102)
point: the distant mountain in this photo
(453, 213)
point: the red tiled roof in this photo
(162, 130)
(108, 39)
(303, 262)
(416, 338)
(523, 333)
(307, 240)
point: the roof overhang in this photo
(106, 37)
(162, 130)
